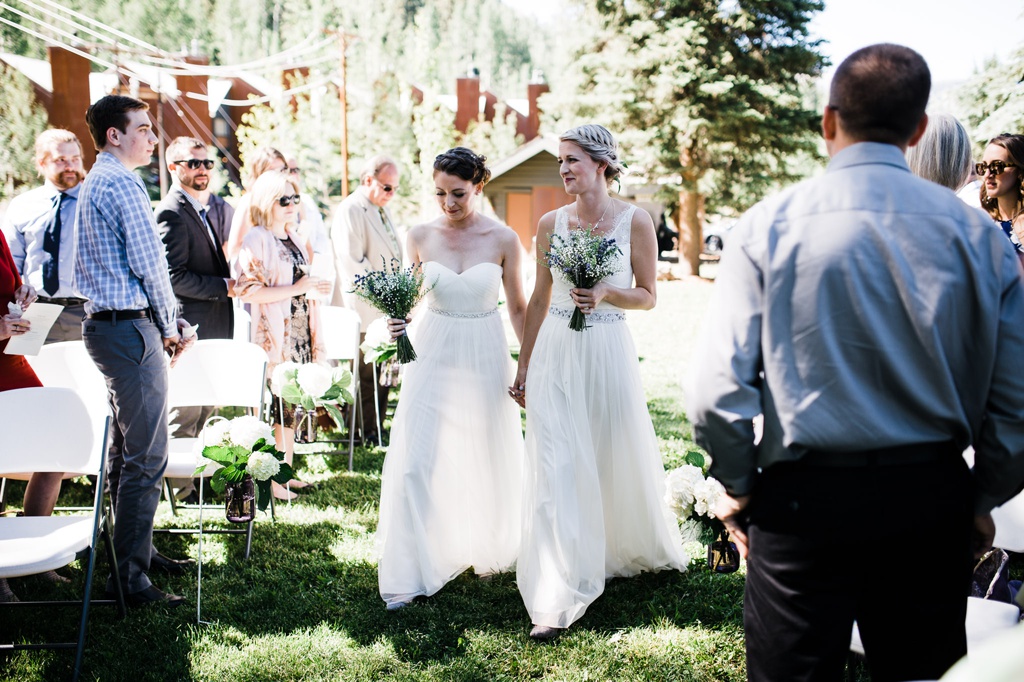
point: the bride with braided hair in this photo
(593, 504)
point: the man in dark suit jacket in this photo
(195, 257)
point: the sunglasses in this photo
(288, 201)
(295, 171)
(997, 167)
(388, 189)
(194, 164)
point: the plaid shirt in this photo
(120, 263)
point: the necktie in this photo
(209, 228)
(51, 245)
(390, 230)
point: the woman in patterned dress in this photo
(286, 323)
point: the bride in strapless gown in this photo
(452, 479)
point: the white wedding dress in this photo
(452, 479)
(594, 481)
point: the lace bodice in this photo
(471, 293)
(620, 232)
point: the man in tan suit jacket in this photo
(363, 234)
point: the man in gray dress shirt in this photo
(875, 321)
(40, 228)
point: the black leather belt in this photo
(115, 315)
(62, 301)
(917, 453)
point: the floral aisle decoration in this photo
(244, 450)
(692, 495)
(309, 386)
(584, 258)
(394, 291)
(379, 348)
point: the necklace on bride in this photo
(593, 226)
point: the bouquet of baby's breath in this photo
(394, 291)
(584, 258)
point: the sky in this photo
(955, 37)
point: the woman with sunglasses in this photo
(452, 481)
(286, 323)
(1002, 186)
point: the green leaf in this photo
(199, 469)
(292, 394)
(222, 454)
(263, 493)
(284, 475)
(695, 458)
(346, 397)
(233, 474)
(336, 416)
(217, 481)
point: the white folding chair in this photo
(35, 544)
(218, 372)
(66, 365)
(341, 342)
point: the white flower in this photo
(679, 489)
(377, 333)
(706, 495)
(245, 431)
(262, 465)
(281, 375)
(214, 433)
(314, 380)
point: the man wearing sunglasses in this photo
(196, 261)
(874, 322)
(364, 237)
(40, 228)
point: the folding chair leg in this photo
(170, 496)
(108, 544)
(248, 538)
(3, 495)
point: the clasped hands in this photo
(12, 324)
(587, 299)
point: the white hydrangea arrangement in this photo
(378, 346)
(242, 446)
(311, 385)
(692, 495)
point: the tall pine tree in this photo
(708, 95)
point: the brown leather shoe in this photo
(170, 566)
(150, 595)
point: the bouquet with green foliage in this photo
(240, 446)
(584, 259)
(311, 386)
(692, 495)
(394, 291)
(377, 345)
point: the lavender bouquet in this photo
(584, 258)
(394, 291)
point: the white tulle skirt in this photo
(594, 483)
(452, 479)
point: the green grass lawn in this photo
(305, 606)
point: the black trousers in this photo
(887, 546)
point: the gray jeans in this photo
(130, 355)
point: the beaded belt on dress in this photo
(601, 316)
(470, 316)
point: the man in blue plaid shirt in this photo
(130, 323)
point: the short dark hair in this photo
(110, 112)
(880, 93)
(463, 163)
(180, 146)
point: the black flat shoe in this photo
(543, 633)
(150, 595)
(169, 565)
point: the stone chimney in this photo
(537, 87)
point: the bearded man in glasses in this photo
(40, 228)
(874, 321)
(365, 238)
(195, 257)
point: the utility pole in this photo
(343, 39)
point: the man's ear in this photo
(922, 125)
(113, 136)
(829, 123)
